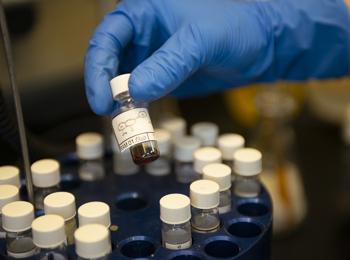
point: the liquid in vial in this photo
(8, 193)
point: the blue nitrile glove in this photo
(208, 45)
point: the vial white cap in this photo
(48, 231)
(185, 147)
(10, 175)
(94, 212)
(92, 241)
(45, 173)
(119, 85)
(175, 209)
(207, 132)
(60, 203)
(229, 144)
(175, 125)
(204, 194)
(17, 216)
(8, 193)
(163, 138)
(89, 146)
(219, 173)
(204, 156)
(247, 162)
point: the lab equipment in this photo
(207, 132)
(204, 156)
(10, 175)
(94, 212)
(175, 125)
(228, 145)
(8, 193)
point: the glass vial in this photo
(221, 174)
(92, 242)
(46, 179)
(132, 124)
(8, 193)
(17, 218)
(205, 200)
(204, 156)
(10, 175)
(175, 125)
(161, 166)
(63, 204)
(184, 147)
(175, 213)
(207, 132)
(94, 212)
(90, 151)
(247, 166)
(49, 237)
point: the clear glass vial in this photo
(63, 204)
(175, 213)
(247, 166)
(162, 166)
(94, 212)
(204, 156)
(90, 151)
(17, 218)
(132, 124)
(10, 175)
(205, 200)
(92, 242)
(46, 179)
(175, 125)
(207, 132)
(184, 147)
(8, 193)
(221, 174)
(49, 237)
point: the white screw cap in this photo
(94, 212)
(175, 125)
(207, 132)
(119, 85)
(48, 231)
(8, 193)
(204, 194)
(163, 138)
(92, 241)
(204, 156)
(45, 173)
(185, 147)
(17, 216)
(89, 146)
(229, 144)
(60, 203)
(175, 209)
(10, 175)
(219, 173)
(247, 162)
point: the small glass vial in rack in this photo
(204, 156)
(63, 204)
(49, 237)
(175, 125)
(46, 179)
(10, 175)
(228, 145)
(89, 147)
(221, 174)
(205, 200)
(17, 219)
(8, 193)
(94, 212)
(247, 166)
(207, 132)
(184, 147)
(161, 166)
(132, 124)
(92, 242)
(175, 213)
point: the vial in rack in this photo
(8, 193)
(175, 213)
(204, 156)
(132, 124)
(175, 125)
(94, 212)
(10, 175)
(207, 132)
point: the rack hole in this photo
(131, 201)
(253, 209)
(69, 182)
(138, 248)
(244, 229)
(221, 249)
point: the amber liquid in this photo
(145, 152)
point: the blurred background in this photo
(302, 129)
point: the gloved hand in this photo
(200, 46)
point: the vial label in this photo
(178, 246)
(133, 127)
